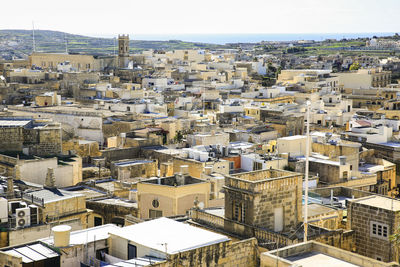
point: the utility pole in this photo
(308, 104)
(33, 37)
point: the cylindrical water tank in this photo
(184, 154)
(203, 156)
(184, 169)
(61, 235)
(191, 153)
(208, 170)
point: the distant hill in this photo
(18, 43)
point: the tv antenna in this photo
(66, 43)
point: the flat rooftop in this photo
(14, 123)
(139, 262)
(379, 202)
(117, 202)
(262, 175)
(31, 252)
(86, 235)
(312, 259)
(132, 162)
(173, 181)
(153, 234)
(315, 209)
(313, 253)
(52, 194)
(294, 137)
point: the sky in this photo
(110, 17)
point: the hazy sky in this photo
(102, 17)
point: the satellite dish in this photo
(201, 205)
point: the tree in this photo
(178, 137)
(355, 66)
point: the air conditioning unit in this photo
(13, 205)
(23, 217)
(34, 210)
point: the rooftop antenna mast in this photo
(308, 105)
(114, 39)
(115, 55)
(33, 37)
(66, 43)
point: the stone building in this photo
(123, 50)
(42, 209)
(270, 199)
(30, 136)
(374, 219)
(125, 169)
(197, 167)
(285, 125)
(51, 60)
(205, 139)
(314, 253)
(171, 196)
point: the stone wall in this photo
(340, 238)
(82, 149)
(119, 154)
(28, 234)
(43, 141)
(340, 191)
(109, 211)
(143, 169)
(260, 199)
(225, 254)
(360, 217)
(278, 257)
(9, 260)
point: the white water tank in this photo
(191, 153)
(184, 153)
(196, 155)
(3, 210)
(203, 156)
(61, 235)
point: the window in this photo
(97, 221)
(143, 172)
(155, 203)
(132, 251)
(379, 230)
(155, 214)
(257, 166)
(231, 165)
(239, 211)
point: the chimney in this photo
(17, 172)
(10, 187)
(184, 169)
(50, 179)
